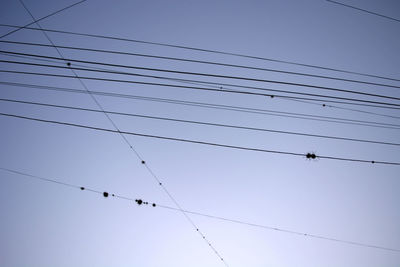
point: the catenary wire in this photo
(202, 74)
(363, 10)
(203, 50)
(199, 122)
(203, 62)
(386, 105)
(211, 246)
(214, 106)
(241, 222)
(308, 155)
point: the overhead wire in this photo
(348, 109)
(211, 246)
(203, 62)
(243, 148)
(214, 106)
(141, 202)
(363, 10)
(223, 87)
(204, 50)
(199, 122)
(42, 18)
(207, 75)
(378, 104)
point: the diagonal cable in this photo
(132, 148)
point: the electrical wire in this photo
(42, 18)
(348, 109)
(199, 122)
(203, 62)
(141, 202)
(364, 10)
(220, 87)
(211, 246)
(193, 73)
(386, 105)
(213, 88)
(203, 50)
(307, 155)
(215, 106)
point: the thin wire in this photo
(200, 142)
(215, 106)
(386, 105)
(203, 62)
(131, 146)
(219, 87)
(204, 50)
(152, 204)
(199, 122)
(190, 73)
(364, 10)
(283, 230)
(42, 18)
(348, 109)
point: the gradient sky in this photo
(45, 224)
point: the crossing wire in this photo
(141, 202)
(42, 18)
(131, 146)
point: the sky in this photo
(48, 224)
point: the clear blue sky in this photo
(44, 224)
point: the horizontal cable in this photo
(309, 102)
(215, 106)
(307, 155)
(377, 103)
(199, 122)
(348, 109)
(141, 202)
(202, 50)
(195, 73)
(220, 88)
(203, 62)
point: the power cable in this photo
(215, 106)
(42, 18)
(141, 202)
(364, 10)
(219, 87)
(203, 62)
(132, 148)
(348, 109)
(200, 122)
(307, 155)
(376, 103)
(204, 50)
(200, 74)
